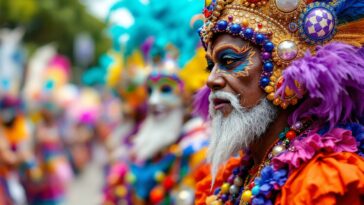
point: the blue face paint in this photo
(232, 62)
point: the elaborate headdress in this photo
(285, 30)
(164, 36)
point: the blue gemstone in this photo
(222, 25)
(268, 46)
(255, 190)
(264, 81)
(259, 38)
(236, 171)
(248, 33)
(235, 28)
(282, 135)
(268, 66)
(217, 190)
(224, 197)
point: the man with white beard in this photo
(164, 120)
(285, 97)
(167, 149)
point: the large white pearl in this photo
(278, 149)
(287, 50)
(184, 196)
(287, 5)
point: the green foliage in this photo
(53, 21)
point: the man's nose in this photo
(215, 80)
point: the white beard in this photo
(157, 133)
(238, 130)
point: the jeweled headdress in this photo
(285, 30)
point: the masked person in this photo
(286, 94)
(169, 144)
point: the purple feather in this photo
(201, 102)
(334, 83)
(146, 46)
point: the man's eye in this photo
(209, 67)
(229, 60)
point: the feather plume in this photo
(349, 10)
(351, 33)
(201, 102)
(334, 81)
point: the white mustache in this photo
(233, 99)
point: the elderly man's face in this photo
(239, 111)
(235, 67)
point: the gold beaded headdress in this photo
(284, 29)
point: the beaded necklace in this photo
(240, 190)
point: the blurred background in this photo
(67, 88)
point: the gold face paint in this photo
(231, 59)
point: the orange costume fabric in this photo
(336, 178)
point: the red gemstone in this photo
(254, 1)
(251, 185)
(230, 18)
(260, 25)
(168, 183)
(207, 13)
(290, 135)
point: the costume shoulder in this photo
(203, 187)
(336, 178)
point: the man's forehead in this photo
(225, 40)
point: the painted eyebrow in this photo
(238, 50)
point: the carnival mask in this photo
(164, 93)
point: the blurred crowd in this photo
(136, 105)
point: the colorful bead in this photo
(266, 56)
(251, 185)
(269, 46)
(157, 195)
(291, 135)
(238, 181)
(159, 176)
(282, 135)
(287, 5)
(268, 66)
(224, 197)
(130, 178)
(247, 196)
(233, 189)
(231, 179)
(298, 125)
(245, 22)
(168, 182)
(225, 188)
(293, 27)
(248, 33)
(264, 81)
(222, 25)
(260, 25)
(217, 190)
(277, 150)
(287, 50)
(121, 191)
(255, 190)
(259, 38)
(235, 28)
